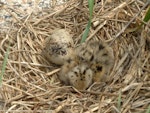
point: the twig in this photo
(123, 29)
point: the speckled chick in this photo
(100, 57)
(78, 75)
(58, 47)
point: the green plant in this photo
(148, 110)
(119, 101)
(87, 29)
(147, 17)
(4, 66)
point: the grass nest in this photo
(30, 82)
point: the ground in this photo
(30, 82)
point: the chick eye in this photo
(101, 47)
(69, 60)
(99, 68)
(76, 73)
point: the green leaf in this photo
(148, 110)
(91, 5)
(119, 101)
(86, 32)
(147, 16)
(4, 66)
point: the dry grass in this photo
(30, 83)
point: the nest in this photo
(30, 82)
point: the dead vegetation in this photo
(30, 82)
